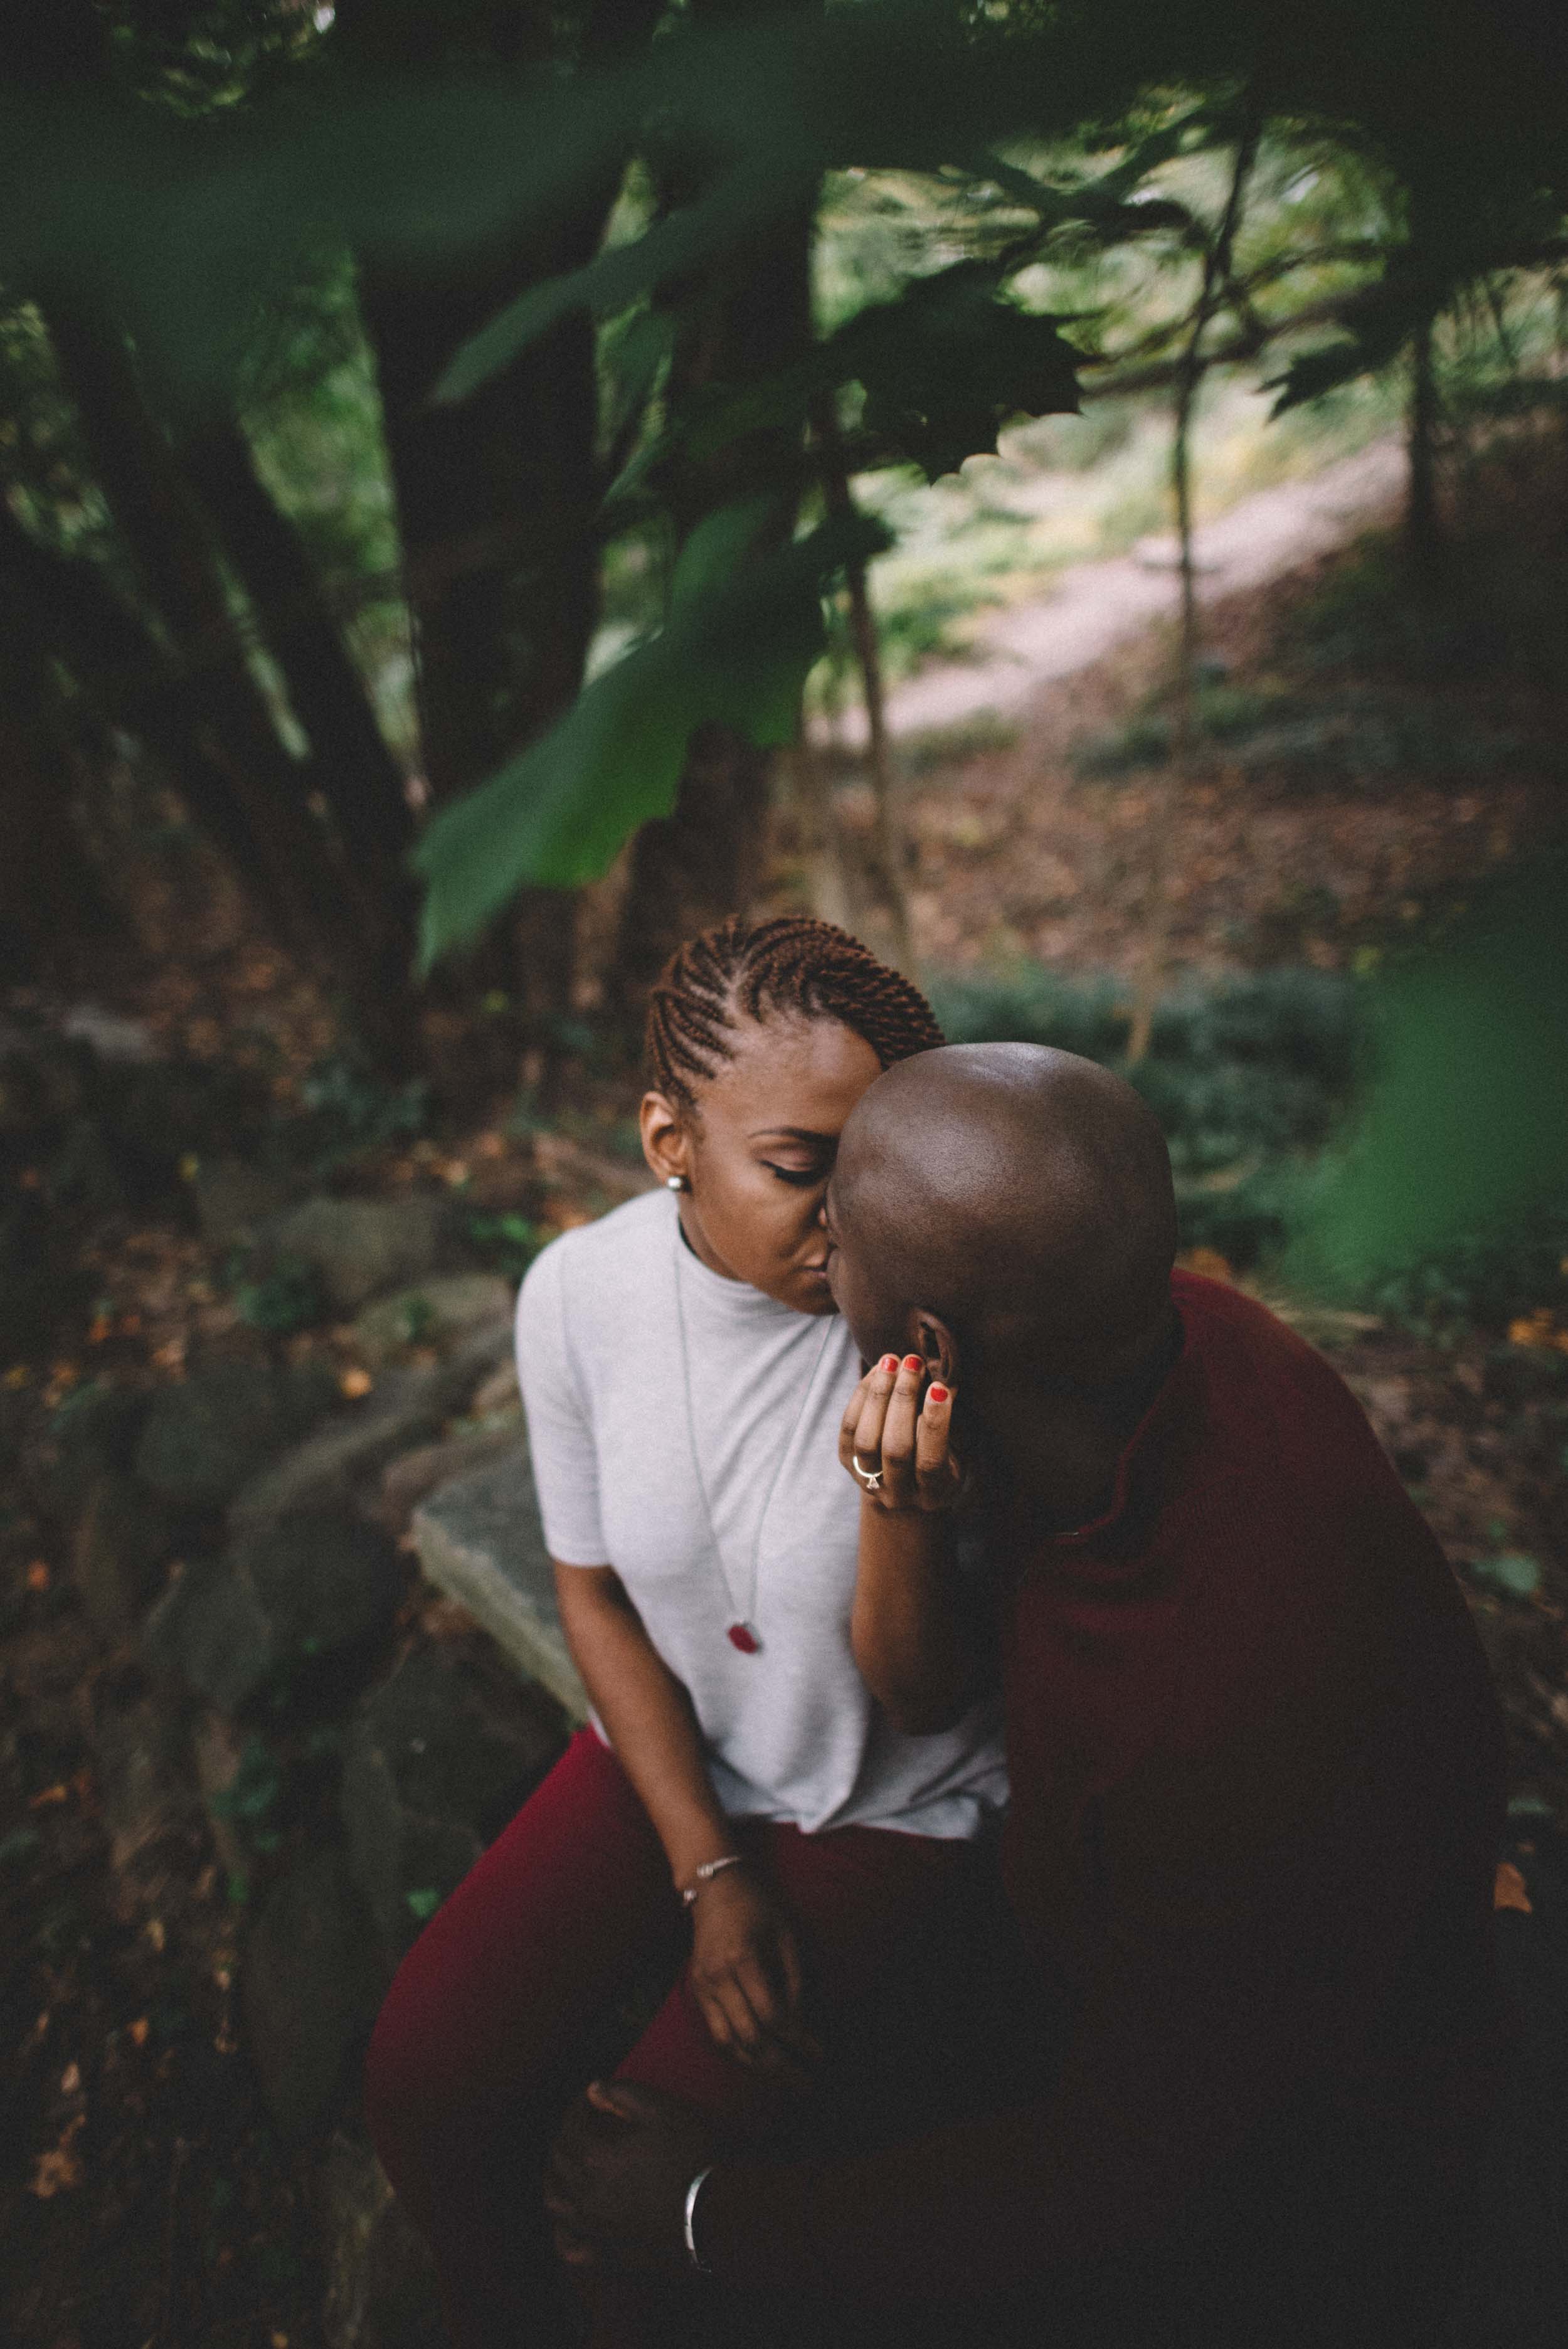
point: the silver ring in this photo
(869, 1478)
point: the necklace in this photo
(740, 1632)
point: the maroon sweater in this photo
(1257, 1776)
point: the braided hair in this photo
(791, 965)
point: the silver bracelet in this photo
(693, 2190)
(706, 1873)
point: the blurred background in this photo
(1077, 495)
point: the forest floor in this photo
(1320, 819)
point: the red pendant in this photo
(742, 1635)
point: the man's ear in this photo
(664, 1144)
(933, 1341)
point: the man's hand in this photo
(889, 1433)
(746, 1976)
(616, 2183)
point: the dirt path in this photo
(1098, 604)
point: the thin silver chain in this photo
(722, 1571)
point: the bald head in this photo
(1021, 1193)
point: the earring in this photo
(675, 1181)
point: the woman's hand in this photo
(746, 1976)
(903, 1440)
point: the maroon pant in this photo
(472, 2059)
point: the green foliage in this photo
(251, 1800)
(940, 369)
(1512, 1573)
(742, 631)
(1464, 1130)
(286, 1296)
(1246, 1078)
(509, 1244)
(345, 1107)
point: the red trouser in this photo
(470, 2062)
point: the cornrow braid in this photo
(791, 965)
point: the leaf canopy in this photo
(743, 630)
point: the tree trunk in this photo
(707, 859)
(333, 924)
(886, 916)
(358, 775)
(56, 921)
(497, 497)
(128, 680)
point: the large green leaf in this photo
(743, 631)
(1464, 1130)
(753, 192)
(943, 366)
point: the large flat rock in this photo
(478, 1539)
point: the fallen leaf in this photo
(57, 2171)
(1508, 1890)
(137, 2032)
(38, 1575)
(355, 1383)
(155, 1932)
(44, 1798)
(70, 2079)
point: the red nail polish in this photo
(936, 1394)
(888, 1362)
(912, 1362)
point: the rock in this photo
(362, 1247)
(381, 2290)
(478, 1538)
(499, 1393)
(217, 1750)
(234, 1199)
(111, 1035)
(95, 1430)
(120, 1540)
(306, 1989)
(146, 1799)
(282, 1594)
(208, 1633)
(202, 1439)
(406, 1407)
(434, 1766)
(406, 1480)
(432, 1314)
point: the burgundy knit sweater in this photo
(1257, 1775)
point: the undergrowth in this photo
(1249, 1078)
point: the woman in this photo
(684, 1376)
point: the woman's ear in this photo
(936, 1346)
(664, 1144)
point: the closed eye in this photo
(802, 1177)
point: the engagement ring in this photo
(870, 1477)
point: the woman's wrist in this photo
(705, 1873)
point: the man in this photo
(1256, 1766)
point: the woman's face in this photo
(757, 1152)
